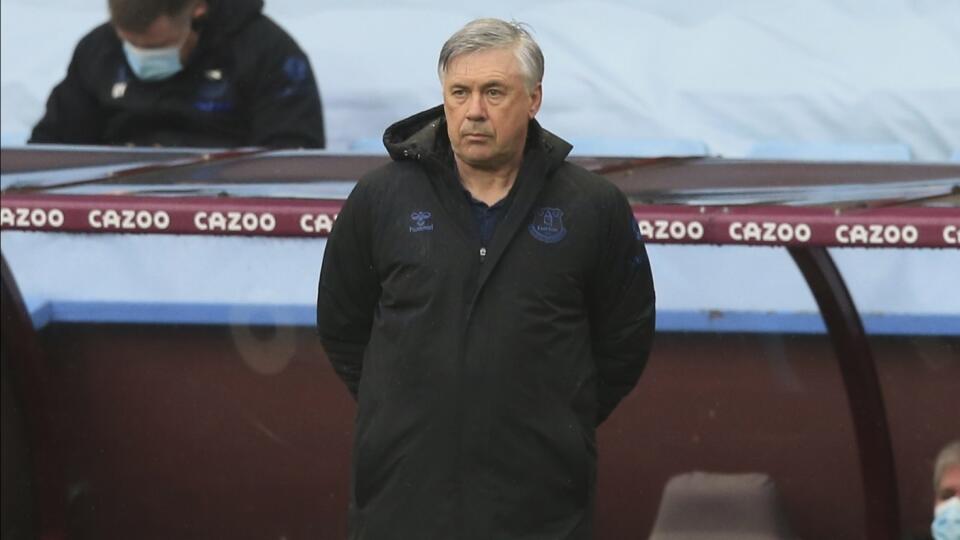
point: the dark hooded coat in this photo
(481, 376)
(246, 83)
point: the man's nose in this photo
(476, 109)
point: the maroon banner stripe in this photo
(727, 225)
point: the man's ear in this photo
(536, 98)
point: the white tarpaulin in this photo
(726, 73)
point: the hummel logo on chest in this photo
(421, 221)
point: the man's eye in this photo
(494, 92)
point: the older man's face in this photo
(488, 108)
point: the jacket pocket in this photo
(364, 456)
(378, 459)
(586, 462)
(361, 474)
(545, 477)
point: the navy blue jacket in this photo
(481, 375)
(246, 83)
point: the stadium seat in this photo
(699, 505)
(370, 145)
(823, 151)
(635, 147)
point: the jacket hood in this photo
(423, 136)
(225, 17)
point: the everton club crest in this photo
(547, 225)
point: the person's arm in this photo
(73, 114)
(349, 289)
(285, 111)
(622, 311)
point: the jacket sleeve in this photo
(73, 114)
(349, 290)
(622, 307)
(285, 107)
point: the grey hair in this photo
(485, 34)
(948, 457)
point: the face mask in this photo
(153, 64)
(946, 520)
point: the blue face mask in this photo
(946, 520)
(153, 64)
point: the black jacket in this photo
(246, 83)
(481, 379)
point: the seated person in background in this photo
(946, 486)
(207, 73)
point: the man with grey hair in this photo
(488, 304)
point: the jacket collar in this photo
(423, 138)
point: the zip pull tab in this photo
(483, 253)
